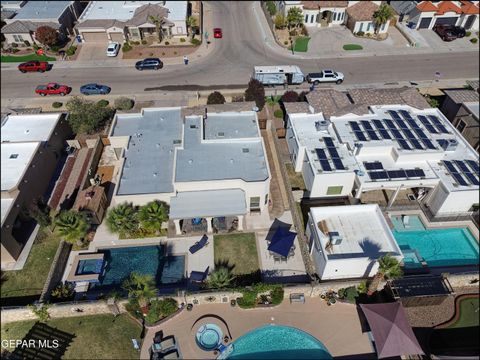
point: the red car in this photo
(53, 89)
(217, 33)
(29, 66)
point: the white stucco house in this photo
(209, 166)
(385, 147)
(104, 21)
(346, 241)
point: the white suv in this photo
(325, 76)
(113, 48)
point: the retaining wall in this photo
(56, 270)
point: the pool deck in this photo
(337, 327)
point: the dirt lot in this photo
(142, 51)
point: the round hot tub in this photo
(209, 336)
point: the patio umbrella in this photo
(391, 331)
(282, 241)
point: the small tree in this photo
(46, 35)
(294, 17)
(62, 291)
(158, 21)
(280, 21)
(71, 225)
(255, 92)
(192, 24)
(122, 219)
(123, 103)
(388, 268)
(41, 311)
(302, 96)
(215, 98)
(140, 287)
(381, 16)
(272, 9)
(40, 211)
(290, 96)
(85, 116)
(153, 215)
(221, 277)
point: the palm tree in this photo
(122, 219)
(381, 16)
(388, 268)
(140, 287)
(71, 225)
(158, 21)
(191, 23)
(152, 215)
(221, 277)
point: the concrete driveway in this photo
(324, 41)
(94, 51)
(436, 43)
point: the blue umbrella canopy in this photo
(282, 241)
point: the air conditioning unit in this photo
(448, 144)
(335, 238)
(322, 125)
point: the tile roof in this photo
(474, 84)
(469, 8)
(143, 13)
(297, 107)
(362, 11)
(335, 103)
(448, 6)
(98, 23)
(22, 26)
(426, 6)
(7, 14)
(314, 5)
(462, 95)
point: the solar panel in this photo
(394, 114)
(459, 179)
(411, 173)
(472, 178)
(366, 125)
(438, 124)
(396, 174)
(420, 172)
(328, 141)
(428, 144)
(378, 175)
(401, 124)
(409, 134)
(338, 164)
(420, 133)
(412, 123)
(416, 144)
(405, 114)
(373, 135)
(461, 165)
(449, 166)
(354, 126)
(373, 165)
(333, 152)
(360, 136)
(325, 165)
(473, 165)
(378, 124)
(385, 134)
(382, 174)
(404, 145)
(390, 124)
(321, 154)
(396, 134)
(427, 124)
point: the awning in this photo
(282, 241)
(391, 331)
(211, 203)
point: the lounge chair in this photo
(157, 339)
(171, 354)
(167, 342)
(199, 244)
(199, 276)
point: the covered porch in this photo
(210, 211)
(148, 31)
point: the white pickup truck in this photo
(325, 76)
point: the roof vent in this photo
(221, 134)
(13, 156)
(155, 174)
(321, 125)
(231, 161)
(190, 161)
(448, 144)
(335, 238)
(246, 150)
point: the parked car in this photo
(92, 89)
(53, 89)
(217, 33)
(325, 76)
(113, 48)
(40, 66)
(446, 32)
(150, 64)
(459, 31)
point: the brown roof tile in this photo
(362, 11)
(297, 107)
(314, 5)
(426, 6)
(448, 6)
(462, 95)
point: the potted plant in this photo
(233, 302)
(189, 307)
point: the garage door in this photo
(95, 37)
(118, 37)
(446, 21)
(425, 23)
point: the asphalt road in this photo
(232, 59)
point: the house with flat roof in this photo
(385, 148)
(207, 167)
(104, 21)
(31, 148)
(346, 241)
(22, 25)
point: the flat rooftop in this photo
(231, 125)
(40, 10)
(177, 10)
(113, 10)
(363, 229)
(473, 107)
(15, 159)
(37, 127)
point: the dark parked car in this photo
(92, 89)
(446, 32)
(150, 64)
(459, 31)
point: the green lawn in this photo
(352, 47)
(469, 313)
(23, 58)
(301, 44)
(296, 179)
(30, 280)
(239, 250)
(96, 336)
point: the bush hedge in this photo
(57, 105)
(160, 309)
(71, 50)
(474, 40)
(126, 47)
(195, 42)
(167, 43)
(123, 103)
(278, 114)
(182, 40)
(144, 42)
(103, 103)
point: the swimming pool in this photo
(278, 342)
(438, 247)
(121, 262)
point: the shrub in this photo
(35, 47)
(57, 105)
(272, 9)
(41, 311)
(280, 21)
(14, 45)
(71, 50)
(278, 114)
(237, 98)
(195, 42)
(15, 50)
(304, 30)
(160, 309)
(215, 98)
(360, 33)
(248, 300)
(277, 295)
(182, 40)
(126, 47)
(290, 96)
(351, 293)
(168, 306)
(285, 42)
(102, 103)
(144, 42)
(167, 43)
(87, 116)
(163, 54)
(255, 92)
(123, 103)
(474, 40)
(468, 33)
(292, 32)
(341, 293)
(175, 53)
(26, 42)
(55, 48)
(151, 54)
(136, 42)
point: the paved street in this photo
(231, 60)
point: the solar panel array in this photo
(396, 174)
(460, 171)
(404, 129)
(334, 156)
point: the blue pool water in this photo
(89, 266)
(121, 262)
(438, 247)
(278, 342)
(413, 223)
